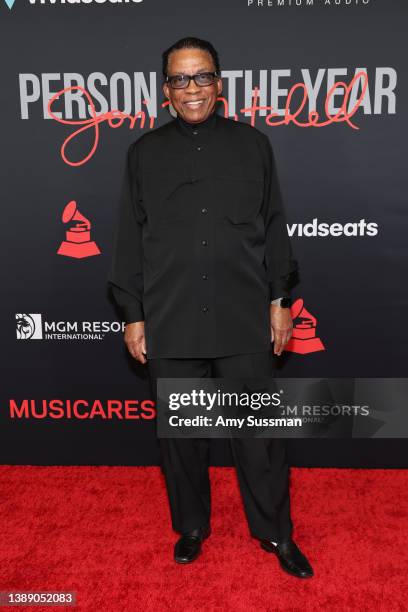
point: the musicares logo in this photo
(111, 409)
(304, 339)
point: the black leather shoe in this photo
(188, 547)
(291, 559)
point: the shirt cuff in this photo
(132, 313)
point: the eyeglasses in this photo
(202, 79)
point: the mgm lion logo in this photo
(28, 326)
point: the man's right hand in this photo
(135, 340)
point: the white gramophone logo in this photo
(78, 241)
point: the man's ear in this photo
(219, 86)
(166, 90)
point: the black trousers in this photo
(260, 463)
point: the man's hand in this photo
(135, 340)
(281, 327)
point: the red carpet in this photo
(105, 533)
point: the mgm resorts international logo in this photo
(33, 327)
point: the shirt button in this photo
(205, 309)
(204, 242)
(204, 277)
(193, 180)
(199, 148)
(204, 210)
(195, 132)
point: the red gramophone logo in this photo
(304, 339)
(78, 241)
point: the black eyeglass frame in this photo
(215, 74)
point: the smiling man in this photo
(202, 268)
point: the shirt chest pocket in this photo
(239, 198)
(167, 198)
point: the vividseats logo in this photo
(73, 2)
(32, 327)
(324, 230)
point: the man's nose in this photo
(192, 87)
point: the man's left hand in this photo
(281, 327)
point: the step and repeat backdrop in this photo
(81, 80)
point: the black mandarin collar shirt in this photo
(201, 245)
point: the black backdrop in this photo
(345, 170)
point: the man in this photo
(202, 267)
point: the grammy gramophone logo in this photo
(77, 241)
(304, 339)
